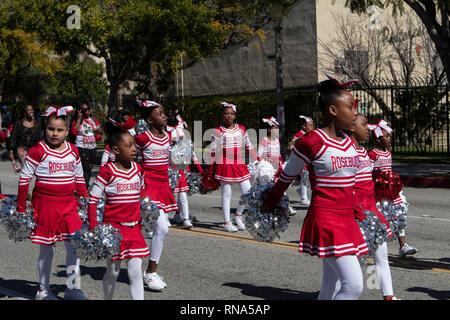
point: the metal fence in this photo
(419, 114)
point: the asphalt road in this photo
(207, 263)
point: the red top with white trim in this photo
(122, 189)
(57, 172)
(381, 159)
(155, 153)
(228, 143)
(332, 167)
(269, 150)
(364, 187)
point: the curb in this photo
(425, 182)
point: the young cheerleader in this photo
(154, 145)
(269, 146)
(227, 141)
(365, 192)
(122, 182)
(57, 167)
(382, 159)
(329, 228)
(125, 119)
(176, 130)
(306, 125)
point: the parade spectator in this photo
(87, 132)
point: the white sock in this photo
(183, 204)
(72, 267)
(110, 278)
(226, 200)
(159, 234)
(46, 254)
(343, 273)
(383, 271)
(245, 187)
(303, 192)
(134, 270)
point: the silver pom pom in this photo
(18, 225)
(264, 227)
(374, 232)
(194, 181)
(261, 173)
(174, 177)
(141, 127)
(181, 153)
(101, 243)
(83, 211)
(149, 214)
(395, 214)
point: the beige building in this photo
(312, 46)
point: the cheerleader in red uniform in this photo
(382, 159)
(306, 125)
(269, 146)
(365, 192)
(154, 145)
(227, 141)
(59, 174)
(329, 228)
(127, 123)
(122, 182)
(182, 187)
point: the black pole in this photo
(279, 94)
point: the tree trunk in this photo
(279, 84)
(112, 98)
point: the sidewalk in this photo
(423, 175)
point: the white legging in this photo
(159, 234)
(382, 271)
(134, 276)
(183, 204)
(226, 198)
(347, 271)
(45, 259)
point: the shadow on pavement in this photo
(27, 289)
(97, 273)
(272, 293)
(436, 294)
(418, 264)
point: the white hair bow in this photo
(307, 119)
(147, 103)
(271, 121)
(229, 105)
(377, 128)
(63, 111)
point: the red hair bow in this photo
(341, 85)
(127, 125)
(148, 103)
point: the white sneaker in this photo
(306, 202)
(187, 224)
(240, 224)
(292, 211)
(161, 279)
(406, 250)
(153, 281)
(45, 295)
(228, 226)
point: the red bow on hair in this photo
(229, 105)
(341, 85)
(148, 103)
(63, 111)
(355, 105)
(127, 125)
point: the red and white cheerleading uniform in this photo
(329, 228)
(226, 150)
(107, 156)
(365, 188)
(155, 153)
(58, 175)
(122, 209)
(269, 150)
(383, 160)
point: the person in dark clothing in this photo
(25, 134)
